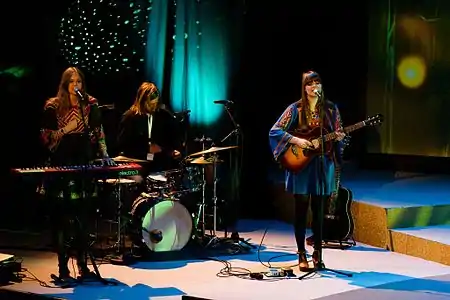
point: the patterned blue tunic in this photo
(306, 182)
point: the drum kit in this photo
(160, 218)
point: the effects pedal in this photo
(275, 272)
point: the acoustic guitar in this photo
(337, 221)
(337, 218)
(338, 224)
(296, 159)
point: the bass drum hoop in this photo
(165, 215)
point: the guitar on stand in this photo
(338, 222)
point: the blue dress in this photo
(306, 182)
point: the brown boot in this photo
(303, 262)
(315, 258)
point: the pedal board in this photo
(9, 268)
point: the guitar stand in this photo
(342, 245)
(334, 244)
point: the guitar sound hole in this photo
(307, 152)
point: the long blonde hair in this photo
(147, 92)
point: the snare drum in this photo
(160, 224)
(166, 180)
(188, 179)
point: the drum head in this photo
(174, 222)
(117, 181)
(157, 177)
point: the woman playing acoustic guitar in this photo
(295, 143)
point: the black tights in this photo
(300, 219)
(68, 222)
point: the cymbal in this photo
(212, 150)
(121, 158)
(205, 161)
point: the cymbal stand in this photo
(201, 207)
(214, 237)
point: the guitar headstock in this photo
(374, 120)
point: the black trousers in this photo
(300, 219)
(68, 219)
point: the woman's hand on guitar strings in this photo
(340, 135)
(302, 143)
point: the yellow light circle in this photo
(412, 71)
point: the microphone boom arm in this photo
(236, 129)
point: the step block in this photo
(428, 242)
(373, 222)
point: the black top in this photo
(133, 138)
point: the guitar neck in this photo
(348, 129)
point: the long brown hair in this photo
(147, 91)
(62, 99)
(308, 77)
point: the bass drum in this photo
(160, 224)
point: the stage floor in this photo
(377, 274)
(398, 189)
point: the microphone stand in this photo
(321, 181)
(180, 118)
(85, 244)
(235, 165)
(186, 121)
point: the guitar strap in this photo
(337, 170)
(328, 113)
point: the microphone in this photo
(77, 91)
(163, 107)
(225, 102)
(317, 93)
(108, 106)
(174, 115)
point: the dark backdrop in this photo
(279, 42)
